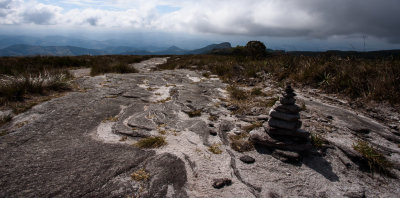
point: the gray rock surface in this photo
(80, 145)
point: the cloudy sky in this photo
(288, 24)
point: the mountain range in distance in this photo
(32, 50)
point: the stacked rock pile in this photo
(283, 128)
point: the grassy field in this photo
(28, 78)
(370, 79)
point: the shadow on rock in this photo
(321, 166)
(313, 161)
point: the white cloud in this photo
(307, 18)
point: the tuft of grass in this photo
(5, 119)
(271, 102)
(206, 75)
(317, 141)
(194, 113)
(15, 88)
(151, 142)
(236, 93)
(240, 143)
(164, 100)
(215, 148)
(303, 106)
(140, 175)
(254, 125)
(3, 133)
(213, 118)
(257, 92)
(376, 161)
(111, 119)
(123, 138)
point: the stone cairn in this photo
(282, 131)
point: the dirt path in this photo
(80, 145)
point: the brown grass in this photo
(252, 126)
(194, 113)
(377, 162)
(370, 79)
(215, 148)
(151, 142)
(140, 175)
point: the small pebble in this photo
(247, 159)
(220, 183)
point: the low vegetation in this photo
(354, 76)
(151, 142)
(27, 81)
(140, 175)
(254, 125)
(215, 148)
(5, 119)
(237, 93)
(317, 141)
(240, 143)
(376, 161)
(194, 113)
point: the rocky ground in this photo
(80, 145)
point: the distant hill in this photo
(31, 50)
(178, 51)
(210, 48)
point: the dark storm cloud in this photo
(324, 18)
(371, 17)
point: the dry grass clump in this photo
(194, 113)
(254, 125)
(317, 141)
(5, 119)
(215, 148)
(240, 143)
(111, 119)
(257, 92)
(376, 161)
(14, 88)
(151, 142)
(213, 118)
(140, 175)
(237, 93)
